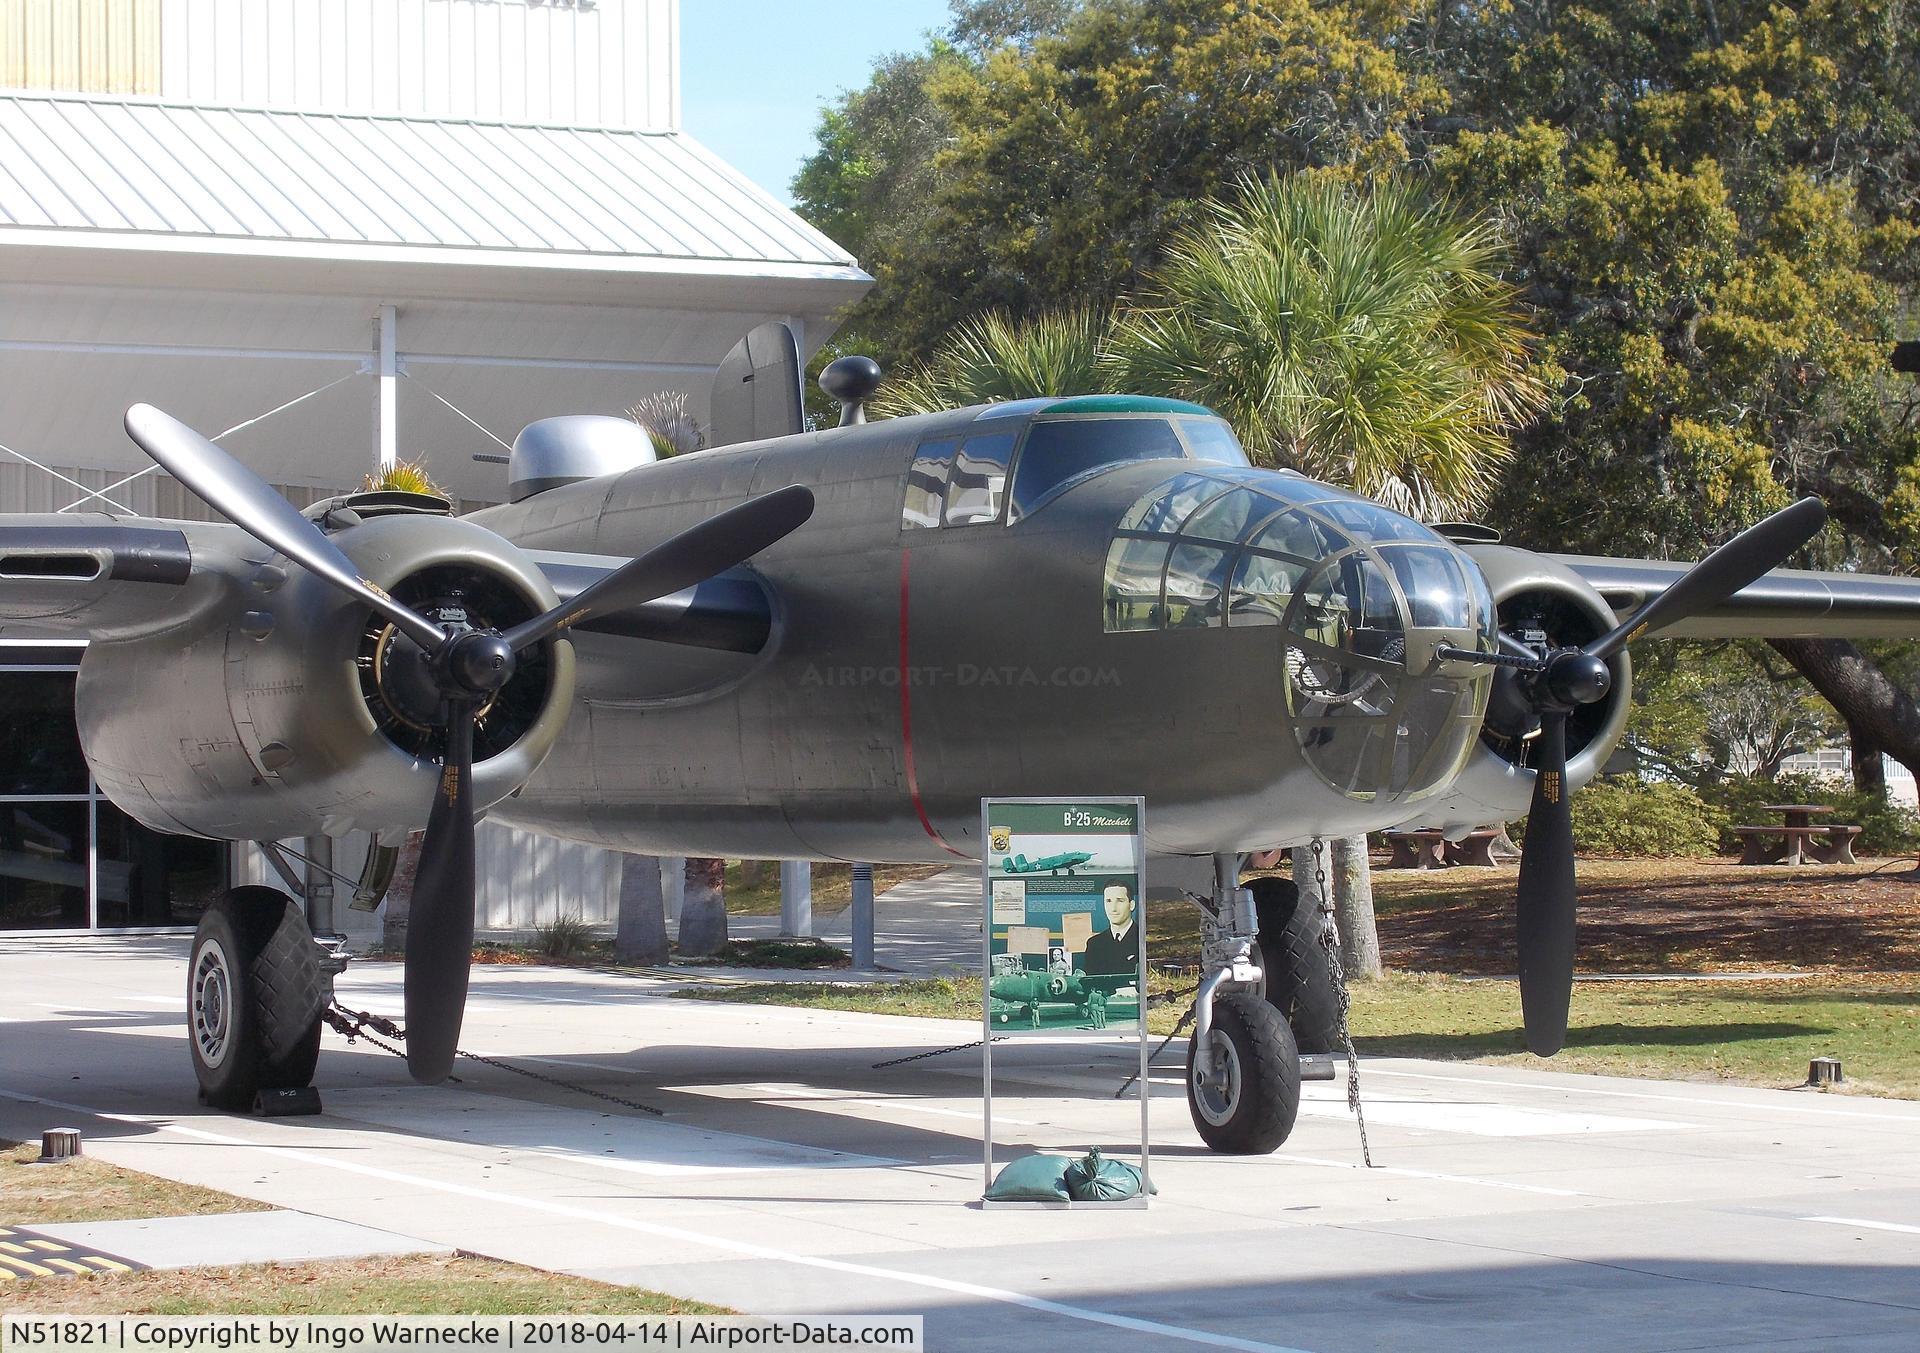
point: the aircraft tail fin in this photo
(756, 390)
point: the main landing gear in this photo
(1243, 1066)
(255, 993)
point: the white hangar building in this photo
(337, 233)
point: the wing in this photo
(73, 575)
(1783, 604)
(730, 611)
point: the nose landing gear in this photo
(1246, 1104)
(1243, 1067)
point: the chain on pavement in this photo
(358, 1024)
(1330, 941)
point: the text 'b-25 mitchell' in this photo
(652, 657)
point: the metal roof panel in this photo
(147, 167)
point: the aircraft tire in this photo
(1254, 1113)
(254, 997)
(1300, 982)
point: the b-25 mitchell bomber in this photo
(1067, 860)
(643, 656)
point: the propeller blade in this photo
(249, 502)
(1764, 545)
(1544, 917)
(693, 556)
(440, 919)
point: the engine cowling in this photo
(287, 710)
(1534, 596)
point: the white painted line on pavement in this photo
(78, 1008)
(1891, 1119)
(1868, 1225)
(854, 1099)
(740, 1247)
(1431, 1174)
(1479, 1119)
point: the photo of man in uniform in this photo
(1117, 948)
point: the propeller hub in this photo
(479, 662)
(1575, 678)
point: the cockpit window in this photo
(964, 483)
(978, 484)
(1059, 450)
(1211, 439)
(927, 485)
(1162, 511)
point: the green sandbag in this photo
(1032, 1179)
(1096, 1179)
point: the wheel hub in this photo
(212, 1013)
(1217, 1096)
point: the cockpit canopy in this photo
(1022, 454)
(1364, 595)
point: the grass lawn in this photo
(92, 1190)
(832, 885)
(420, 1285)
(1757, 1033)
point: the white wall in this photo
(601, 63)
(522, 881)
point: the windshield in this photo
(1059, 450)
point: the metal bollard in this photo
(796, 899)
(862, 917)
(1824, 1071)
(59, 1146)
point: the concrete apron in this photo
(1515, 1210)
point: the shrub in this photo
(1625, 816)
(1885, 828)
(565, 937)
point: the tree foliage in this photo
(1044, 156)
(1363, 336)
(1705, 712)
(1711, 203)
(993, 357)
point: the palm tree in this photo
(994, 357)
(1359, 334)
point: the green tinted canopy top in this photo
(1050, 404)
(1123, 404)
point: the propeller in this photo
(467, 666)
(1552, 685)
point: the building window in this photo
(70, 860)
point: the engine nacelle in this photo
(1533, 594)
(289, 710)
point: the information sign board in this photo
(1062, 952)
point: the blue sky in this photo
(755, 73)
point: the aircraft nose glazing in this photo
(1367, 598)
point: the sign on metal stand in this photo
(1061, 944)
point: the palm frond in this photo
(993, 357)
(1357, 334)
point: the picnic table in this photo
(1799, 839)
(1432, 850)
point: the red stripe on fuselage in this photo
(906, 713)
